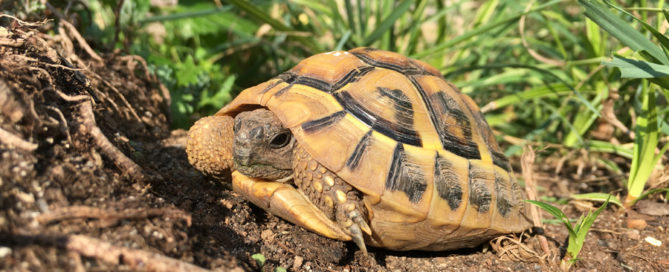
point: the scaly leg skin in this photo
(338, 200)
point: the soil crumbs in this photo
(92, 178)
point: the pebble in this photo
(653, 241)
(297, 263)
(636, 223)
(4, 251)
(633, 235)
(267, 235)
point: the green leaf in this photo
(601, 146)
(388, 22)
(553, 90)
(602, 197)
(650, 192)
(343, 40)
(438, 48)
(658, 35)
(187, 73)
(582, 229)
(555, 212)
(221, 97)
(645, 143)
(259, 258)
(620, 29)
(258, 14)
(631, 68)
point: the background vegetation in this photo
(542, 71)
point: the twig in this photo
(63, 121)
(515, 250)
(12, 43)
(109, 217)
(121, 161)
(70, 98)
(24, 23)
(527, 163)
(15, 141)
(117, 21)
(131, 65)
(121, 96)
(82, 42)
(135, 259)
(286, 248)
(534, 54)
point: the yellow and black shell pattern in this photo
(420, 151)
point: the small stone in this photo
(297, 263)
(157, 234)
(266, 235)
(636, 223)
(653, 241)
(4, 251)
(633, 235)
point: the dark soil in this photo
(130, 195)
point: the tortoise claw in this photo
(356, 236)
(360, 221)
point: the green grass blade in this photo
(664, 41)
(316, 6)
(620, 29)
(362, 20)
(182, 15)
(388, 22)
(650, 192)
(350, 17)
(582, 229)
(343, 40)
(258, 14)
(554, 90)
(607, 147)
(479, 30)
(602, 197)
(631, 68)
(645, 143)
(555, 212)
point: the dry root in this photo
(511, 248)
(109, 217)
(135, 259)
(121, 161)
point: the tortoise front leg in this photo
(285, 201)
(335, 198)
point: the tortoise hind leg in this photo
(338, 200)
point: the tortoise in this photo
(365, 145)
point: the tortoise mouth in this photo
(264, 171)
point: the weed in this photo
(577, 232)
(653, 67)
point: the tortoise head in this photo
(255, 143)
(262, 148)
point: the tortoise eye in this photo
(280, 140)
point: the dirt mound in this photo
(92, 178)
(88, 161)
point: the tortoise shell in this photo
(431, 172)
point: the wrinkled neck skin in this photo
(262, 147)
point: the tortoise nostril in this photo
(242, 158)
